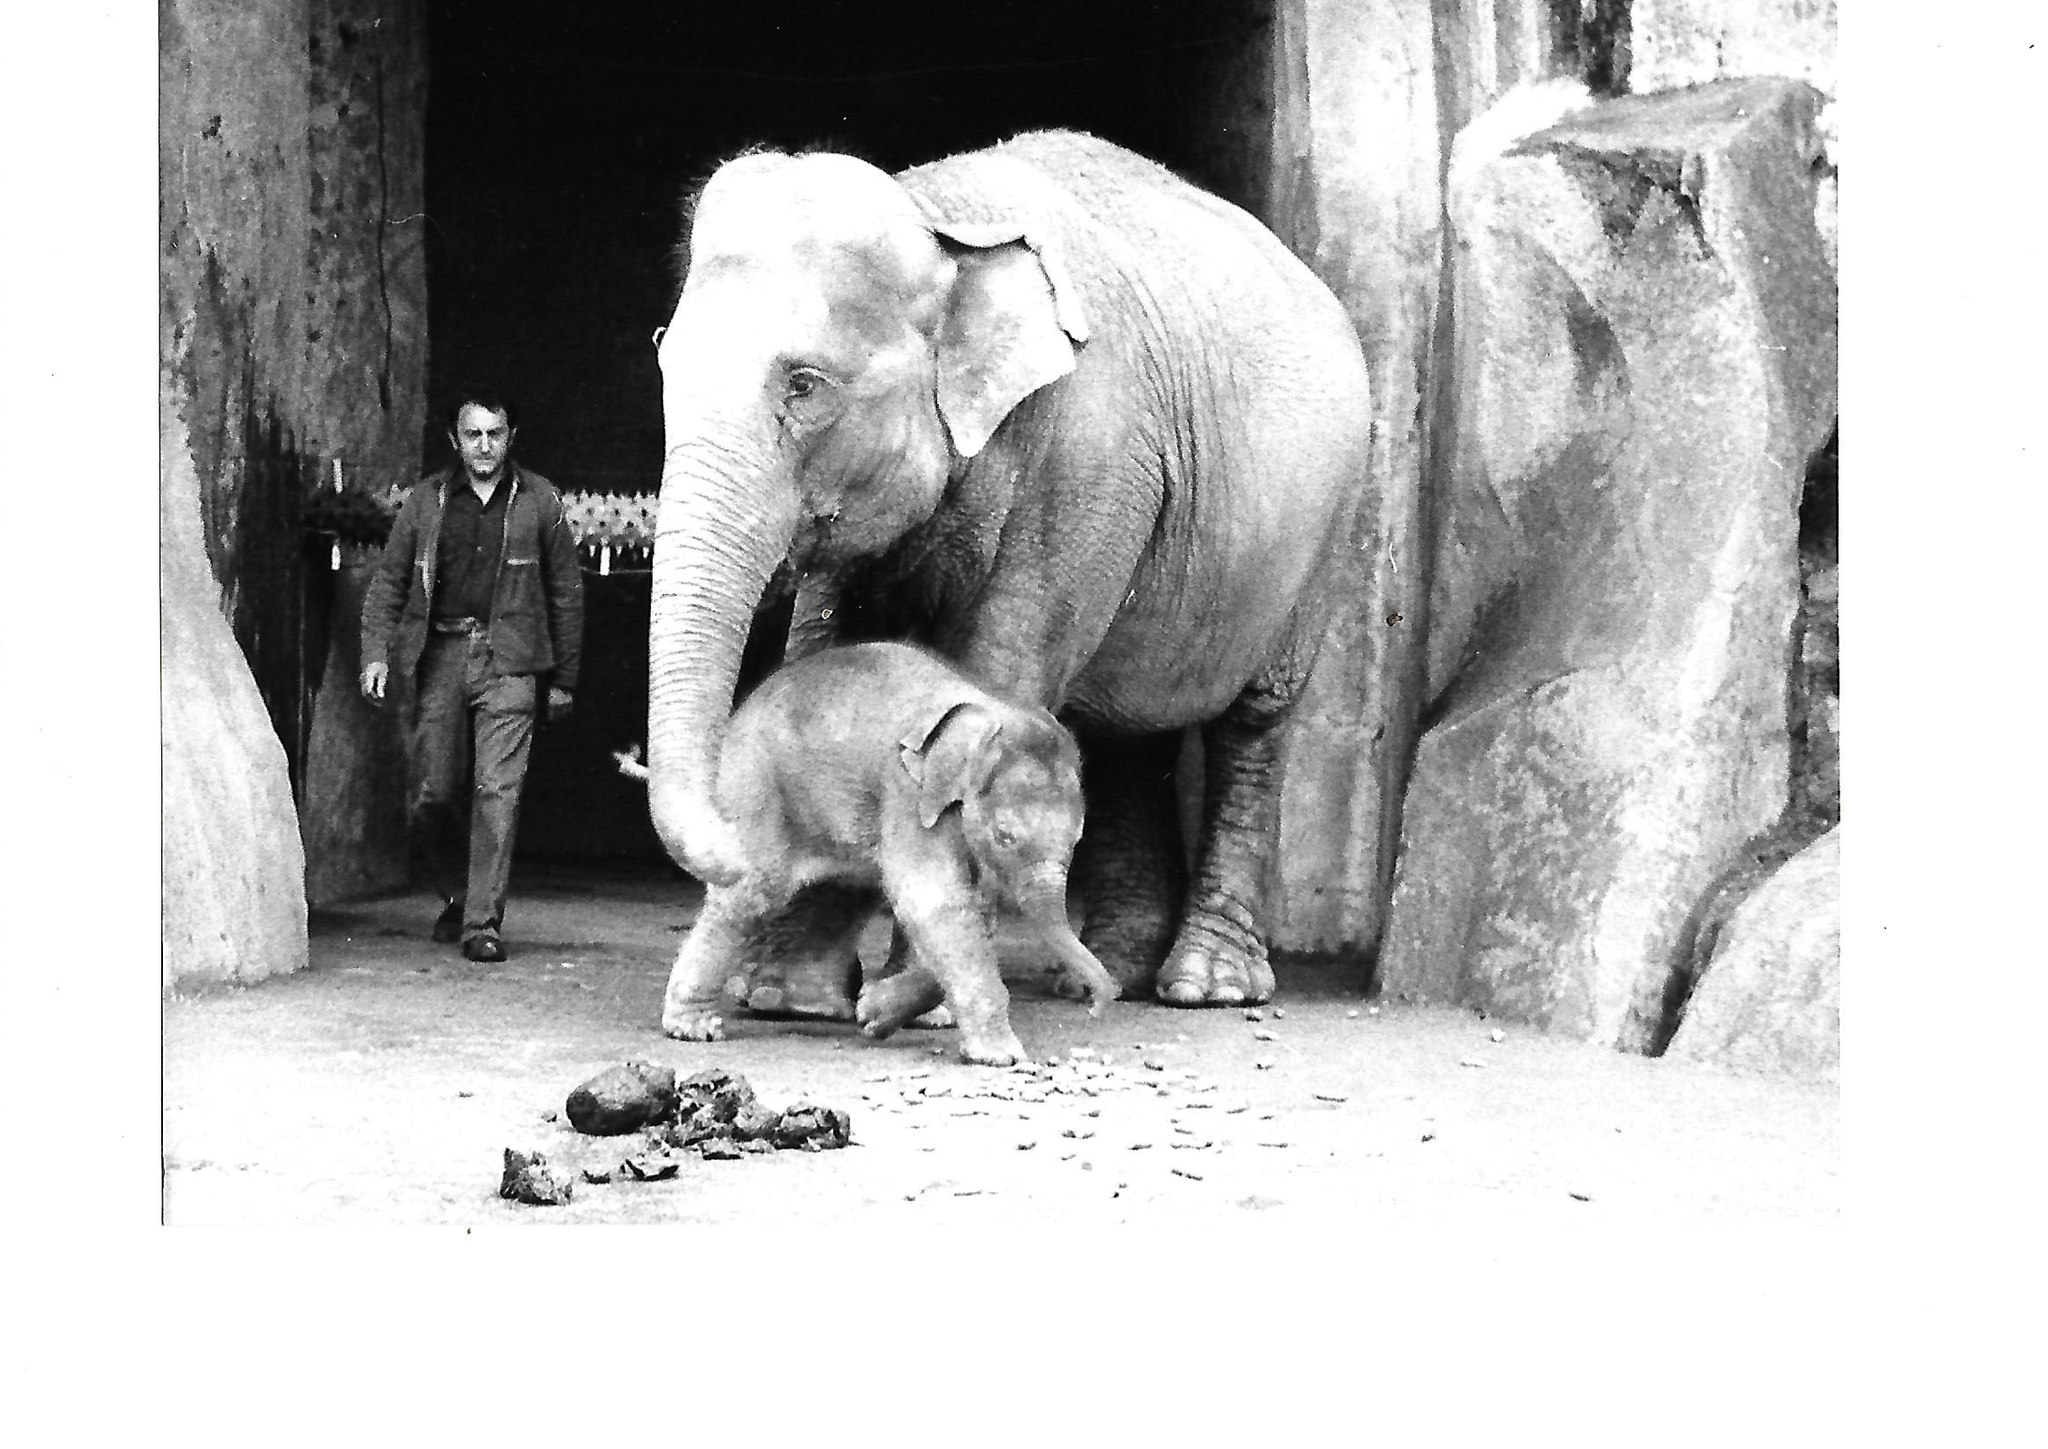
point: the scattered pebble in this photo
(1351, 1015)
(1252, 1013)
(1497, 1035)
(1332, 1097)
(1263, 1066)
(1372, 1011)
(1279, 1013)
(1472, 1061)
(1183, 1172)
(1153, 1064)
(1139, 1146)
(1026, 1146)
(1263, 1035)
(1579, 1197)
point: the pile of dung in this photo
(712, 1114)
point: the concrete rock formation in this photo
(234, 902)
(1770, 998)
(1644, 362)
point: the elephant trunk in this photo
(1043, 902)
(728, 511)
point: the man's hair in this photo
(484, 397)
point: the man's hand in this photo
(560, 702)
(374, 677)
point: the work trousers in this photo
(471, 737)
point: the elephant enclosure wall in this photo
(345, 181)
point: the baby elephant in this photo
(880, 770)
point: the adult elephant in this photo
(1090, 432)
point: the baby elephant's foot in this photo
(693, 1025)
(992, 1049)
(886, 1004)
(1205, 971)
(939, 1018)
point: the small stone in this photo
(530, 1180)
(1252, 1013)
(1026, 1146)
(1263, 1066)
(1332, 1097)
(1153, 1064)
(597, 1174)
(1183, 1172)
(719, 1149)
(1372, 1011)
(1471, 1061)
(1279, 1013)
(1264, 1035)
(1139, 1146)
(1579, 1196)
(650, 1166)
(1351, 1015)
(1497, 1035)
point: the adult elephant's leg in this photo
(1131, 866)
(804, 959)
(1219, 957)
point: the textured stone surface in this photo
(1644, 362)
(362, 400)
(234, 904)
(1770, 998)
(1354, 192)
(1685, 42)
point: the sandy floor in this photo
(383, 1084)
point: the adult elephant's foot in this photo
(1130, 867)
(1212, 968)
(693, 1025)
(1130, 941)
(804, 960)
(812, 996)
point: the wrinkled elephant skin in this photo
(1084, 430)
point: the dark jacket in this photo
(536, 605)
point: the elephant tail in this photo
(630, 763)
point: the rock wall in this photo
(258, 228)
(1645, 364)
(362, 401)
(1770, 998)
(1367, 100)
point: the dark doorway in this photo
(561, 139)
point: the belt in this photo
(460, 626)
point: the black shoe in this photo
(448, 925)
(484, 946)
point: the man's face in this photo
(483, 439)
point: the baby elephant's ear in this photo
(951, 759)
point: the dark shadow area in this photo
(561, 140)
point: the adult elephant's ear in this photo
(1013, 324)
(951, 758)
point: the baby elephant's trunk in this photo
(1044, 904)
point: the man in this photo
(478, 602)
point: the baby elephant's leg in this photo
(714, 946)
(949, 933)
